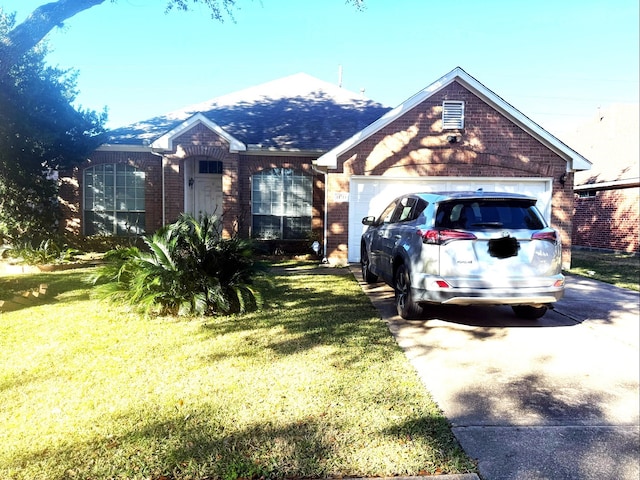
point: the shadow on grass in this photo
(320, 315)
(70, 283)
(198, 447)
(194, 448)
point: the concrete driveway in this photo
(555, 398)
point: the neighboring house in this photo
(298, 158)
(608, 196)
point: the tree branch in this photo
(36, 26)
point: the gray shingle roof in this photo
(298, 112)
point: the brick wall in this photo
(198, 143)
(609, 220)
(415, 145)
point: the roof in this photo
(298, 112)
(611, 141)
(575, 161)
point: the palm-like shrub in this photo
(189, 269)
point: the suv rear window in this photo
(484, 214)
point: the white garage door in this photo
(370, 195)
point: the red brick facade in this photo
(199, 143)
(608, 220)
(415, 144)
(412, 145)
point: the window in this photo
(452, 115)
(114, 200)
(586, 193)
(387, 213)
(281, 200)
(488, 214)
(409, 209)
(209, 166)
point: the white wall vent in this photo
(452, 115)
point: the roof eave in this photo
(623, 183)
(123, 147)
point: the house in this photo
(607, 200)
(297, 159)
(245, 157)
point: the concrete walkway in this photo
(557, 398)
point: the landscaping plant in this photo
(188, 268)
(47, 252)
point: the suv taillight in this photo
(440, 237)
(548, 235)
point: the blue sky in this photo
(557, 61)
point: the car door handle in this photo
(397, 237)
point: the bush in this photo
(47, 252)
(189, 269)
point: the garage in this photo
(454, 135)
(369, 195)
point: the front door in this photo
(203, 189)
(208, 194)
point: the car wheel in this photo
(367, 276)
(529, 312)
(405, 305)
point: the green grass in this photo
(312, 386)
(620, 269)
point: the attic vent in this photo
(452, 115)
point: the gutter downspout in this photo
(325, 260)
(164, 220)
(326, 216)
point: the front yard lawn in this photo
(619, 269)
(313, 385)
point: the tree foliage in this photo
(188, 269)
(40, 133)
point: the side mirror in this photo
(370, 220)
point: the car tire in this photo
(406, 306)
(529, 312)
(367, 276)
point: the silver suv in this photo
(464, 248)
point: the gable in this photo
(165, 142)
(574, 160)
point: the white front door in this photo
(203, 191)
(208, 194)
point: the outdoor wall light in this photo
(191, 182)
(562, 179)
(452, 138)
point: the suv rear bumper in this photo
(516, 295)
